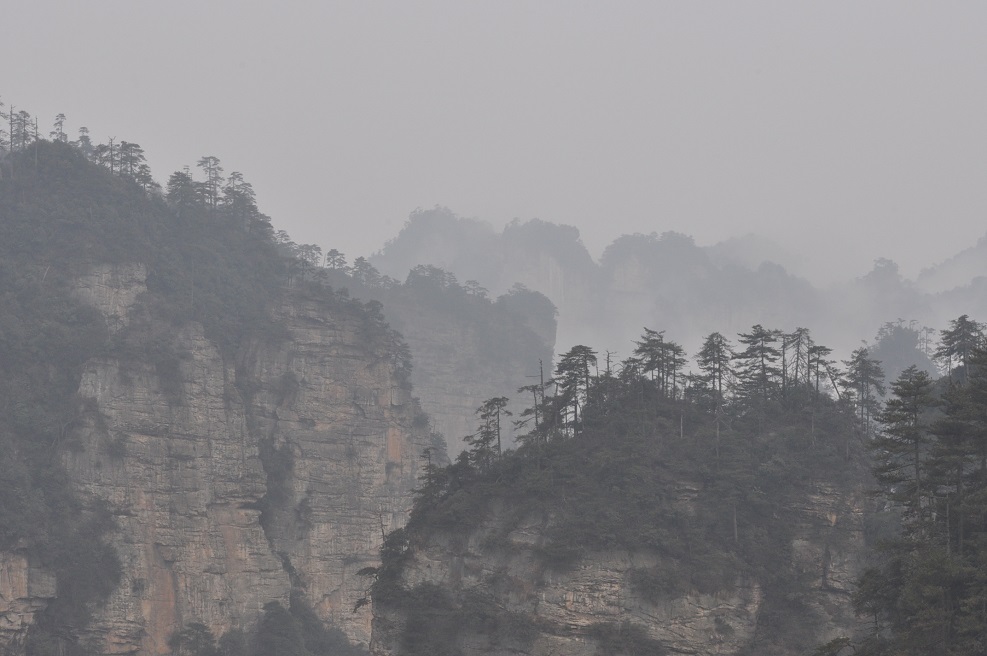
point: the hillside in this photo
(648, 522)
(191, 446)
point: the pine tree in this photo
(901, 448)
(713, 361)
(757, 371)
(958, 342)
(795, 349)
(335, 260)
(213, 183)
(572, 377)
(485, 443)
(865, 379)
(4, 134)
(58, 133)
(85, 144)
(181, 193)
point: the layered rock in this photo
(25, 590)
(529, 608)
(234, 481)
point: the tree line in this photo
(751, 424)
(928, 595)
(764, 367)
(19, 132)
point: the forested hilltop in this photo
(210, 258)
(729, 510)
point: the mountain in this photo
(665, 281)
(200, 429)
(211, 445)
(661, 281)
(188, 441)
(957, 271)
(650, 525)
(751, 251)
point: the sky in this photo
(843, 130)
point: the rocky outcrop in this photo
(828, 553)
(25, 589)
(236, 480)
(581, 610)
(113, 290)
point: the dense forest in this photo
(928, 594)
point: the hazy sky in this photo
(844, 130)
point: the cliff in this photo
(644, 527)
(191, 429)
(25, 590)
(233, 482)
(465, 347)
(509, 601)
(459, 363)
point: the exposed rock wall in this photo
(233, 483)
(564, 610)
(25, 589)
(355, 437)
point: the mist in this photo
(842, 132)
(437, 327)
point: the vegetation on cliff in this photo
(210, 257)
(292, 631)
(929, 593)
(704, 471)
(610, 457)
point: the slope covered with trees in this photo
(753, 434)
(929, 593)
(608, 453)
(210, 258)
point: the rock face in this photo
(576, 611)
(235, 481)
(25, 589)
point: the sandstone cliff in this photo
(25, 589)
(507, 600)
(234, 481)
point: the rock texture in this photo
(25, 590)
(234, 481)
(565, 611)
